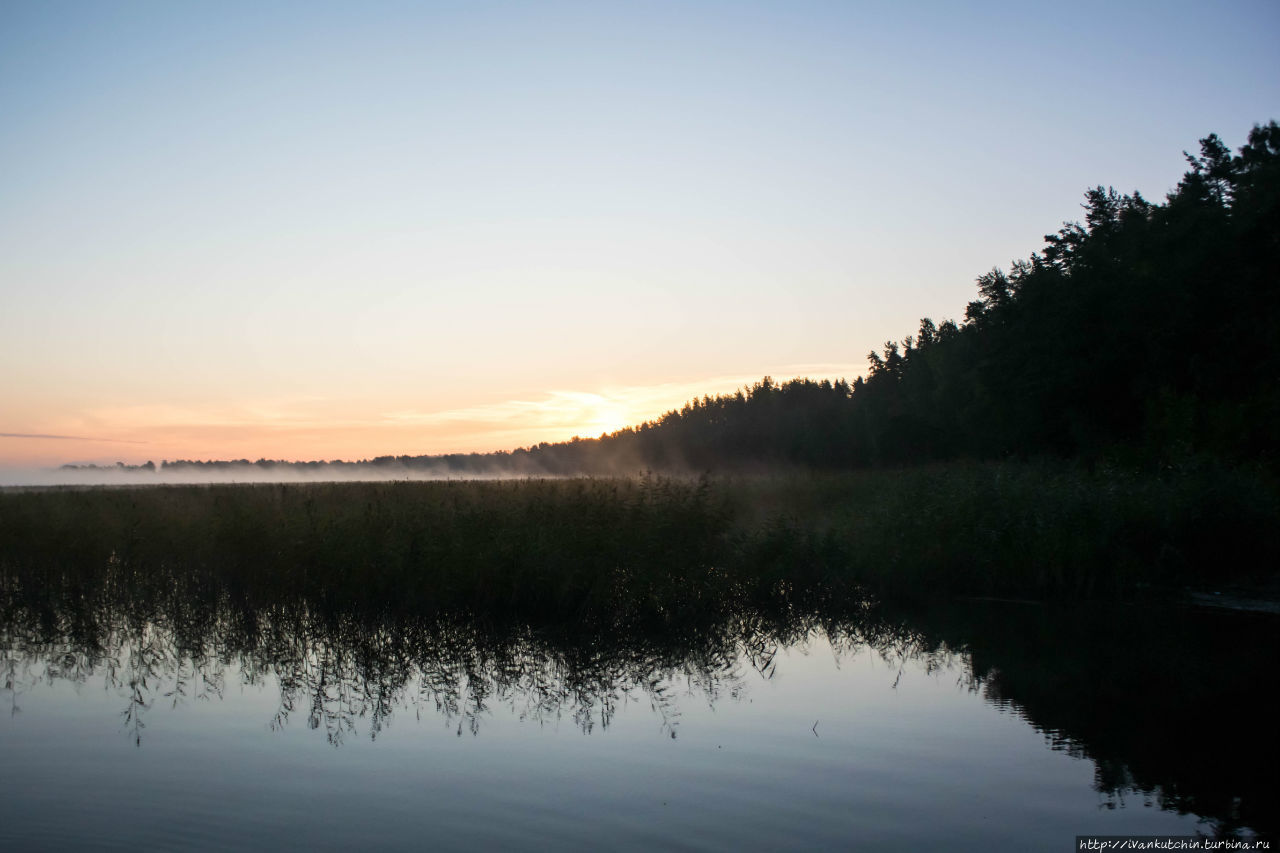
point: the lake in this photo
(218, 720)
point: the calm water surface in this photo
(990, 726)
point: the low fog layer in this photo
(41, 477)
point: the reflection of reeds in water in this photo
(342, 670)
(170, 635)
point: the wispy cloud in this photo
(67, 437)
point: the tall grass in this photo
(656, 548)
(1025, 529)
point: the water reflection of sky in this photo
(904, 752)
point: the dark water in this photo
(144, 722)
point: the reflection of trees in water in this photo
(1171, 705)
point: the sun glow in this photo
(609, 416)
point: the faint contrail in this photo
(67, 437)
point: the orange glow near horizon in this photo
(316, 429)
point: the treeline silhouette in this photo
(1146, 333)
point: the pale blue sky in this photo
(234, 225)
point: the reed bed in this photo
(658, 547)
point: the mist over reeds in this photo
(231, 473)
(955, 529)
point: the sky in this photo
(342, 230)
